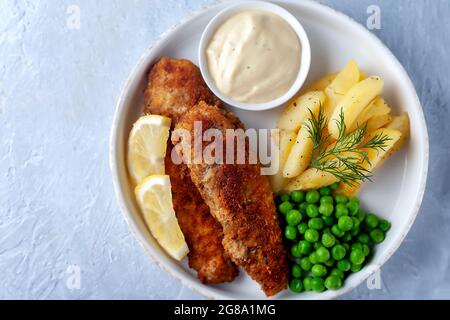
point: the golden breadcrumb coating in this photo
(174, 87)
(242, 201)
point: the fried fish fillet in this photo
(241, 200)
(202, 232)
(174, 87)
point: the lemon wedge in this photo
(147, 147)
(154, 196)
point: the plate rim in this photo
(121, 201)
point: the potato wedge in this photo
(285, 141)
(374, 156)
(298, 110)
(300, 155)
(400, 123)
(362, 75)
(378, 107)
(354, 102)
(342, 83)
(323, 83)
(378, 122)
(345, 79)
(311, 179)
(301, 151)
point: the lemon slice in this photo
(147, 147)
(154, 196)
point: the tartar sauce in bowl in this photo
(254, 57)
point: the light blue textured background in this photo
(58, 89)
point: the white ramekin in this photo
(232, 10)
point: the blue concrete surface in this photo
(58, 89)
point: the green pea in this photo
(317, 285)
(384, 225)
(366, 250)
(295, 252)
(326, 209)
(338, 273)
(316, 224)
(334, 186)
(290, 232)
(345, 223)
(363, 238)
(312, 196)
(293, 217)
(371, 221)
(302, 207)
(328, 240)
(302, 227)
(285, 198)
(298, 196)
(346, 246)
(328, 221)
(338, 252)
(304, 247)
(319, 270)
(313, 258)
(312, 211)
(355, 231)
(305, 264)
(344, 265)
(357, 256)
(318, 245)
(323, 254)
(307, 283)
(353, 207)
(341, 210)
(356, 223)
(296, 271)
(356, 245)
(296, 285)
(341, 199)
(325, 191)
(337, 231)
(327, 199)
(329, 263)
(311, 235)
(285, 207)
(347, 237)
(333, 282)
(361, 216)
(356, 268)
(377, 236)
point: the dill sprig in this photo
(315, 127)
(346, 157)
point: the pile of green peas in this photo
(329, 237)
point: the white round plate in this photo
(398, 186)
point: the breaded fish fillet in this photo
(242, 201)
(202, 232)
(174, 87)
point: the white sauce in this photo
(254, 57)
